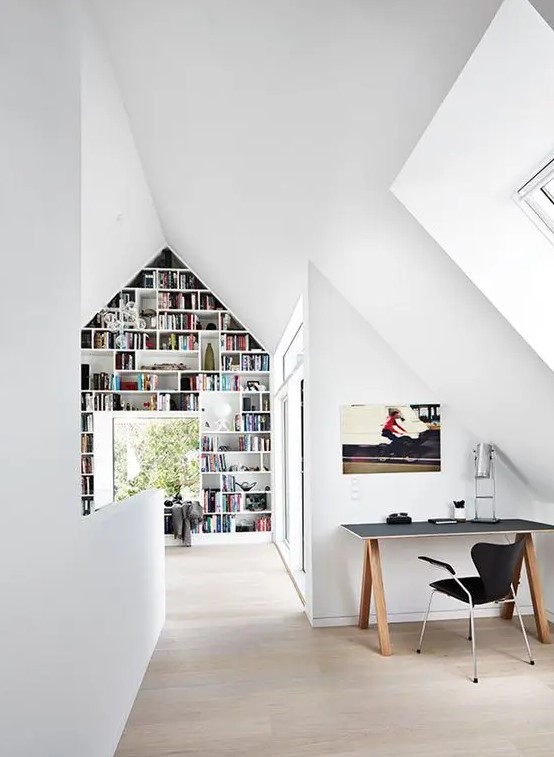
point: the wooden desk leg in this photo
(385, 646)
(365, 596)
(508, 608)
(543, 629)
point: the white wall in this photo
(347, 363)
(120, 228)
(491, 134)
(81, 599)
(119, 614)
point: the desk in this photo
(372, 577)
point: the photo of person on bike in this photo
(387, 439)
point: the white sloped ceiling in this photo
(270, 134)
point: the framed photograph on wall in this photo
(391, 438)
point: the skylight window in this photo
(536, 198)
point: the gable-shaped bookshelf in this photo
(176, 349)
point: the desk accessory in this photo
(459, 510)
(442, 521)
(395, 519)
(485, 487)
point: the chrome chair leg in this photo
(473, 649)
(418, 650)
(523, 631)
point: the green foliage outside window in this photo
(158, 454)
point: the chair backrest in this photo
(495, 564)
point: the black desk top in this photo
(423, 528)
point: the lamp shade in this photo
(483, 459)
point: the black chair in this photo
(495, 564)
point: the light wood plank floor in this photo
(239, 671)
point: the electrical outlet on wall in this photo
(354, 488)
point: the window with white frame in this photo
(536, 198)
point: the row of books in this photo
(183, 342)
(184, 402)
(212, 501)
(177, 280)
(254, 362)
(86, 423)
(262, 523)
(203, 382)
(114, 402)
(230, 384)
(91, 402)
(230, 363)
(87, 485)
(86, 464)
(104, 340)
(104, 402)
(188, 301)
(228, 484)
(144, 382)
(101, 381)
(215, 502)
(240, 342)
(86, 443)
(232, 503)
(254, 444)
(230, 524)
(178, 321)
(256, 422)
(134, 340)
(148, 279)
(213, 463)
(124, 361)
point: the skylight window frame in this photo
(536, 199)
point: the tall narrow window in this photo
(286, 472)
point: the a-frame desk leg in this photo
(372, 579)
(365, 596)
(533, 577)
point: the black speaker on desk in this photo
(395, 519)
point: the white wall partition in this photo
(81, 600)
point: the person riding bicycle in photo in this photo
(392, 429)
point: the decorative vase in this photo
(209, 358)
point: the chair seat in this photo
(473, 584)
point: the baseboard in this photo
(550, 616)
(414, 617)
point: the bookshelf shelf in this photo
(162, 371)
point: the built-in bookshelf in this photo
(191, 356)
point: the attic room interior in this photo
(284, 271)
